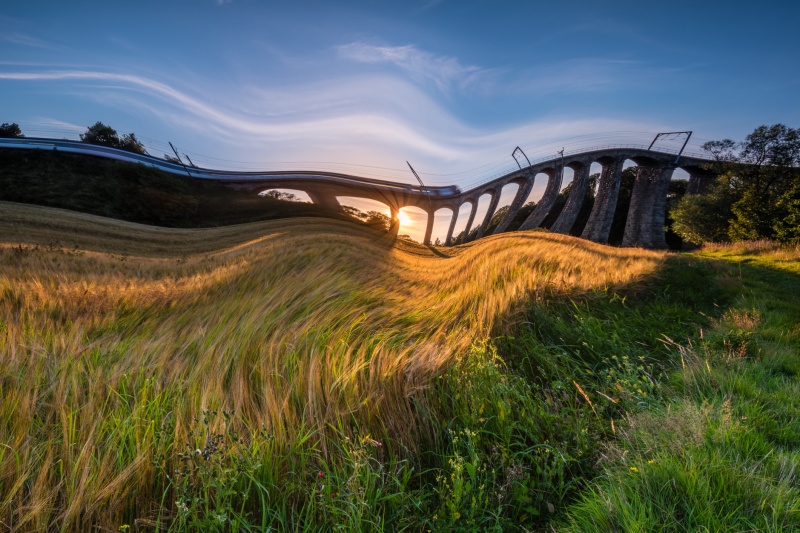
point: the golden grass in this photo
(106, 327)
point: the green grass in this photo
(721, 450)
(313, 375)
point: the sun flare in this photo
(404, 219)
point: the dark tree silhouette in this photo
(10, 131)
(105, 135)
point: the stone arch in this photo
(599, 224)
(644, 225)
(462, 218)
(574, 201)
(545, 204)
(520, 195)
(482, 203)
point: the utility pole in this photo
(424, 188)
(514, 155)
(675, 133)
(180, 160)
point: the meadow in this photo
(314, 374)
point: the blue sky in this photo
(451, 86)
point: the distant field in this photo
(304, 373)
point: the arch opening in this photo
(367, 210)
(537, 191)
(629, 169)
(569, 174)
(413, 222)
(461, 220)
(595, 169)
(480, 215)
(507, 195)
(286, 195)
(441, 223)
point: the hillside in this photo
(133, 192)
(308, 372)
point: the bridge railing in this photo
(534, 162)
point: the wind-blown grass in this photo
(115, 339)
(310, 375)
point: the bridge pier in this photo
(522, 195)
(471, 219)
(449, 240)
(598, 228)
(327, 201)
(428, 229)
(644, 227)
(490, 212)
(577, 194)
(548, 199)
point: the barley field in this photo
(295, 328)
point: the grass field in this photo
(311, 374)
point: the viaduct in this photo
(644, 225)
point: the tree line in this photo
(99, 133)
(756, 194)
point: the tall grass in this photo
(122, 346)
(721, 451)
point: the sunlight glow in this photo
(404, 219)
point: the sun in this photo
(404, 219)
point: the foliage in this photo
(373, 219)
(700, 218)
(10, 130)
(755, 198)
(281, 195)
(105, 135)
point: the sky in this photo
(364, 86)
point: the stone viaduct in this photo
(645, 220)
(644, 224)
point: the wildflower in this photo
(650, 462)
(321, 474)
(634, 469)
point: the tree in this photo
(755, 198)
(130, 143)
(10, 131)
(104, 135)
(281, 195)
(700, 218)
(378, 220)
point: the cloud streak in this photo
(369, 120)
(444, 72)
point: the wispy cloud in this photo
(22, 39)
(445, 72)
(368, 120)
